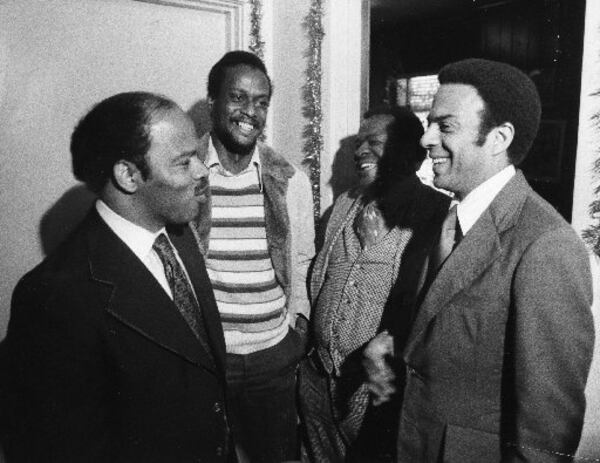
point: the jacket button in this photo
(219, 451)
(217, 407)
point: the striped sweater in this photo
(251, 302)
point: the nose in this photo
(198, 168)
(362, 149)
(430, 138)
(249, 108)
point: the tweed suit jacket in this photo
(103, 367)
(421, 211)
(499, 353)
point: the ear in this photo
(502, 137)
(211, 103)
(127, 176)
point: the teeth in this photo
(367, 166)
(438, 161)
(245, 126)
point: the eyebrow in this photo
(245, 91)
(185, 154)
(440, 118)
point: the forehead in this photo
(172, 127)
(458, 100)
(376, 124)
(245, 77)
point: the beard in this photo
(391, 173)
(394, 182)
(232, 145)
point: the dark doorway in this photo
(542, 37)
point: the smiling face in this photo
(462, 159)
(239, 112)
(177, 181)
(370, 146)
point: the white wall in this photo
(345, 86)
(588, 145)
(588, 149)
(59, 57)
(289, 44)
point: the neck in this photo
(493, 171)
(126, 207)
(233, 162)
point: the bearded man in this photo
(375, 236)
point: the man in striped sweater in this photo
(258, 239)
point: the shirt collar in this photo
(212, 160)
(137, 238)
(470, 209)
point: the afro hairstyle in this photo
(509, 96)
(216, 76)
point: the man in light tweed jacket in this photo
(375, 237)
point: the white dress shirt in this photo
(140, 241)
(478, 200)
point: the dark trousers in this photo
(323, 438)
(262, 401)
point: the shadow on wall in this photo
(3, 374)
(343, 173)
(200, 115)
(55, 226)
(343, 177)
(63, 217)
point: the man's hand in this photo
(379, 373)
(301, 327)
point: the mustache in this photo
(202, 186)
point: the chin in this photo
(366, 180)
(185, 216)
(439, 183)
(239, 147)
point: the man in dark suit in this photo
(115, 345)
(500, 349)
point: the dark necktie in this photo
(183, 296)
(450, 236)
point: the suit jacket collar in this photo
(479, 248)
(134, 297)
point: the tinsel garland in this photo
(592, 234)
(257, 44)
(313, 139)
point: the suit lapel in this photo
(479, 248)
(347, 212)
(137, 299)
